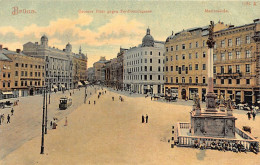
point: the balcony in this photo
(233, 75)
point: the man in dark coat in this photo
(142, 118)
(146, 118)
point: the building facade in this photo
(91, 74)
(25, 74)
(143, 67)
(5, 75)
(120, 69)
(79, 73)
(234, 62)
(99, 70)
(58, 63)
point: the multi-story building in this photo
(234, 62)
(91, 74)
(110, 72)
(59, 63)
(5, 74)
(143, 67)
(79, 73)
(26, 74)
(120, 68)
(99, 70)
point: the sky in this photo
(100, 32)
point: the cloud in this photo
(118, 30)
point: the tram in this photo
(65, 102)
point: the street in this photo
(27, 119)
(111, 132)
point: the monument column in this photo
(210, 104)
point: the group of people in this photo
(253, 113)
(2, 117)
(145, 119)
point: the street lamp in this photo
(46, 111)
(43, 111)
(85, 98)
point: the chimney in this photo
(18, 50)
(6, 48)
(1, 47)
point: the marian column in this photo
(211, 105)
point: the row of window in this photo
(183, 80)
(31, 66)
(238, 42)
(136, 69)
(183, 46)
(137, 54)
(184, 68)
(229, 81)
(183, 57)
(145, 61)
(8, 74)
(230, 55)
(143, 77)
(24, 83)
(222, 44)
(230, 69)
(24, 73)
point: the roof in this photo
(3, 57)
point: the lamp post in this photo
(50, 92)
(85, 98)
(46, 111)
(43, 111)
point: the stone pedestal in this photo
(213, 125)
(222, 108)
(229, 112)
(210, 103)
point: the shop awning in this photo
(86, 82)
(62, 86)
(54, 86)
(80, 84)
(7, 93)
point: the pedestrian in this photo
(86, 95)
(94, 102)
(3, 117)
(249, 115)
(51, 124)
(66, 122)
(0, 119)
(54, 125)
(151, 98)
(105, 92)
(253, 114)
(113, 98)
(8, 118)
(88, 102)
(70, 93)
(142, 118)
(146, 118)
(12, 111)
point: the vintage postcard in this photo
(150, 82)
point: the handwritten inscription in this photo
(16, 11)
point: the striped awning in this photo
(54, 86)
(7, 93)
(62, 86)
(80, 84)
(86, 82)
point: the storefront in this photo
(248, 97)
(238, 97)
(192, 92)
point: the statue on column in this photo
(221, 99)
(210, 41)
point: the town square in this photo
(139, 82)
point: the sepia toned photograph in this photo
(129, 82)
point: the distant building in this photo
(143, 67)
(91, 74)
(59, 64)
(79, 73)
(120, 68)
(99, 70)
